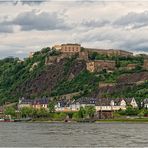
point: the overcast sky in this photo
(29, 26)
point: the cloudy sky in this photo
(29, 26)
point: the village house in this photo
(132, 102)
(62, 106)
(73, 106)
(101, 104)
(36, 103)
(99, 65)
(40, 103)
(24, 103)
(144, 103)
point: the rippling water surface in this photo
(73, 134)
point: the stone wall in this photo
(110, 52)
(98, 65)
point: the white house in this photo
(145, 103)
(101, 104)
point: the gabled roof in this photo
(36, 101)
(40, 101)
(86, 100)
(128, 100)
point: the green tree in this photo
(26, 112)
(90, 111)
(42, 112)
(81, 112)
(51, 107)
(10, 111)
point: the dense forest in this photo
(33, 78)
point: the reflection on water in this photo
(73, 134)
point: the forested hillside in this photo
(32, 78)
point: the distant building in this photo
(76, 48)
(99, 65)
(144, 103)
(62, 106)
(70, 48)
(131, 101)
(36, 103)
(101, 104)
(40, 103)
(24, 103)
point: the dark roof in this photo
(41, 101)
(86, 100)
(103, 102)
(26, 101)
(36, 101)
(100, 101)
(128, 100)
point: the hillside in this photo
(35, 77)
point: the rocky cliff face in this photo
(51, 76)
(124, 82)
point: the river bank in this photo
(135, 120)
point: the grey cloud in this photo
(33, 2)
(43, 21)
(133, 20)
(95, 23)
(5, 28)
(23, 2)
(115, 38)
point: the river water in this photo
(73, 134)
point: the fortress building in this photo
(76, 48)
(71, 48)
(110, 52)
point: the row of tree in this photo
(25, 112)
